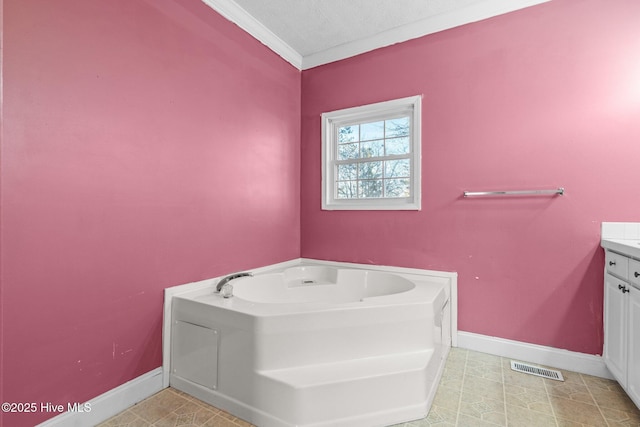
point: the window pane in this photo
(372, 148)
(397, 168)
(370, 188)
(348, 133)
(347, 189)
(348, 151)
(374, 130)
(397, 146)
(370, 170)
(348, 171)
(372, 153)
(397, 188)
(397, 127)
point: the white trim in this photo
(111, 403)
(549, 356)
(234, 13)
(333, 120)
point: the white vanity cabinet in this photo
(633, 362)
(622, 321)
(615, 329)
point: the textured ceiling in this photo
(308, 33)
(311, 26)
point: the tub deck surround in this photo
(316, 344)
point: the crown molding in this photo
(234, 13)
(477, 11)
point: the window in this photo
(371, 156)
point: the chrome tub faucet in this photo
(225, 281)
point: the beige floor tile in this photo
(530, 399)
(580, 412)
(601, 383)
(468, 421)
(523, 380)
(173, 420)
(125, 419)
(483, 387)
(523, 417)
(159, 405)
(569, 377)
(613, 398)
(621, 418)
(138, 423)
(198, 413)
(456, 360)
(623, 424)
(452, 378)
(219, 421)
(447, 398)
(570, 390)
(568, 423)
(474, 357)
(492, 372)
(227, 416)
(457, 353)
(483, 408)
(439, 416)
(458, 364)
(418, 423)
(121, 419)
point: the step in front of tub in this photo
(324, 393)
(327, 373)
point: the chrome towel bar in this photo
(559, 191)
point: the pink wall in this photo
(150, 143)
(547, 96)
(145, 144)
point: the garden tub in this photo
(315, 344)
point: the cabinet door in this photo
(615, 328)
(617, 264)
(634, 272)
(633, 376)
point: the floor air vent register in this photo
(526, 368)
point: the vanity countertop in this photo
(629, 247)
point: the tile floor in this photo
(476, 389)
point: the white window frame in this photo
(333, 120)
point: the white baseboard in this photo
(549, 356)
(111, 403)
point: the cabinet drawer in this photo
(617, 264)
(634, 272)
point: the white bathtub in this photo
(317, 344)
